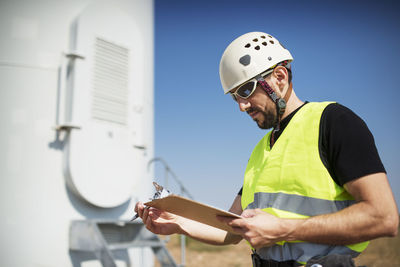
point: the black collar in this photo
(283, 123)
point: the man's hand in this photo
(157, 221)
(374, 215)
(165, 223)
(259, 228)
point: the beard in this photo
(269, 118)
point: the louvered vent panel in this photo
(110, 82)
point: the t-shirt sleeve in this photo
(240, 191)
(347, 148)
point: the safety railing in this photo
(183, 191)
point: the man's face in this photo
(260, 107)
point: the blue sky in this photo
(344, 51)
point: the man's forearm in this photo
(354, 224)
(374, 215)
(207, 234)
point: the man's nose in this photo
(244, 104)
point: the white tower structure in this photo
(76, 110)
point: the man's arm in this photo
(164, 223)
(373, 215)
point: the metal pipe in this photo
(183, 190)
(168, 169)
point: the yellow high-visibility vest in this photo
(290, 181)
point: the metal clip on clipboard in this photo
(160, 193)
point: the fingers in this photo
(141, 210)
(238, 225)
(241, 227)
(249, 213)
(137, 205)
(145, 214)
(234, 222)
(155, 220)
(147, 220)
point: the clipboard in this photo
(193, 210)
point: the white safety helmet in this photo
(249, 55)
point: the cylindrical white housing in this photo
(52, 67)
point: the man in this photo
(313, 187)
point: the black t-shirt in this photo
(346, 145)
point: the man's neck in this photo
(292, 104)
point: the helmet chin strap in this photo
(280, 103)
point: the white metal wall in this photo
(35, 201)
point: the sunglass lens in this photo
(246, 89)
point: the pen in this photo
(160, 193)
(135, 217)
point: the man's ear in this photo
(282, 76)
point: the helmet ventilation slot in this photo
(255, 40)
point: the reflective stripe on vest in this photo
(301, 251)
(298, 204)
(290, 181)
